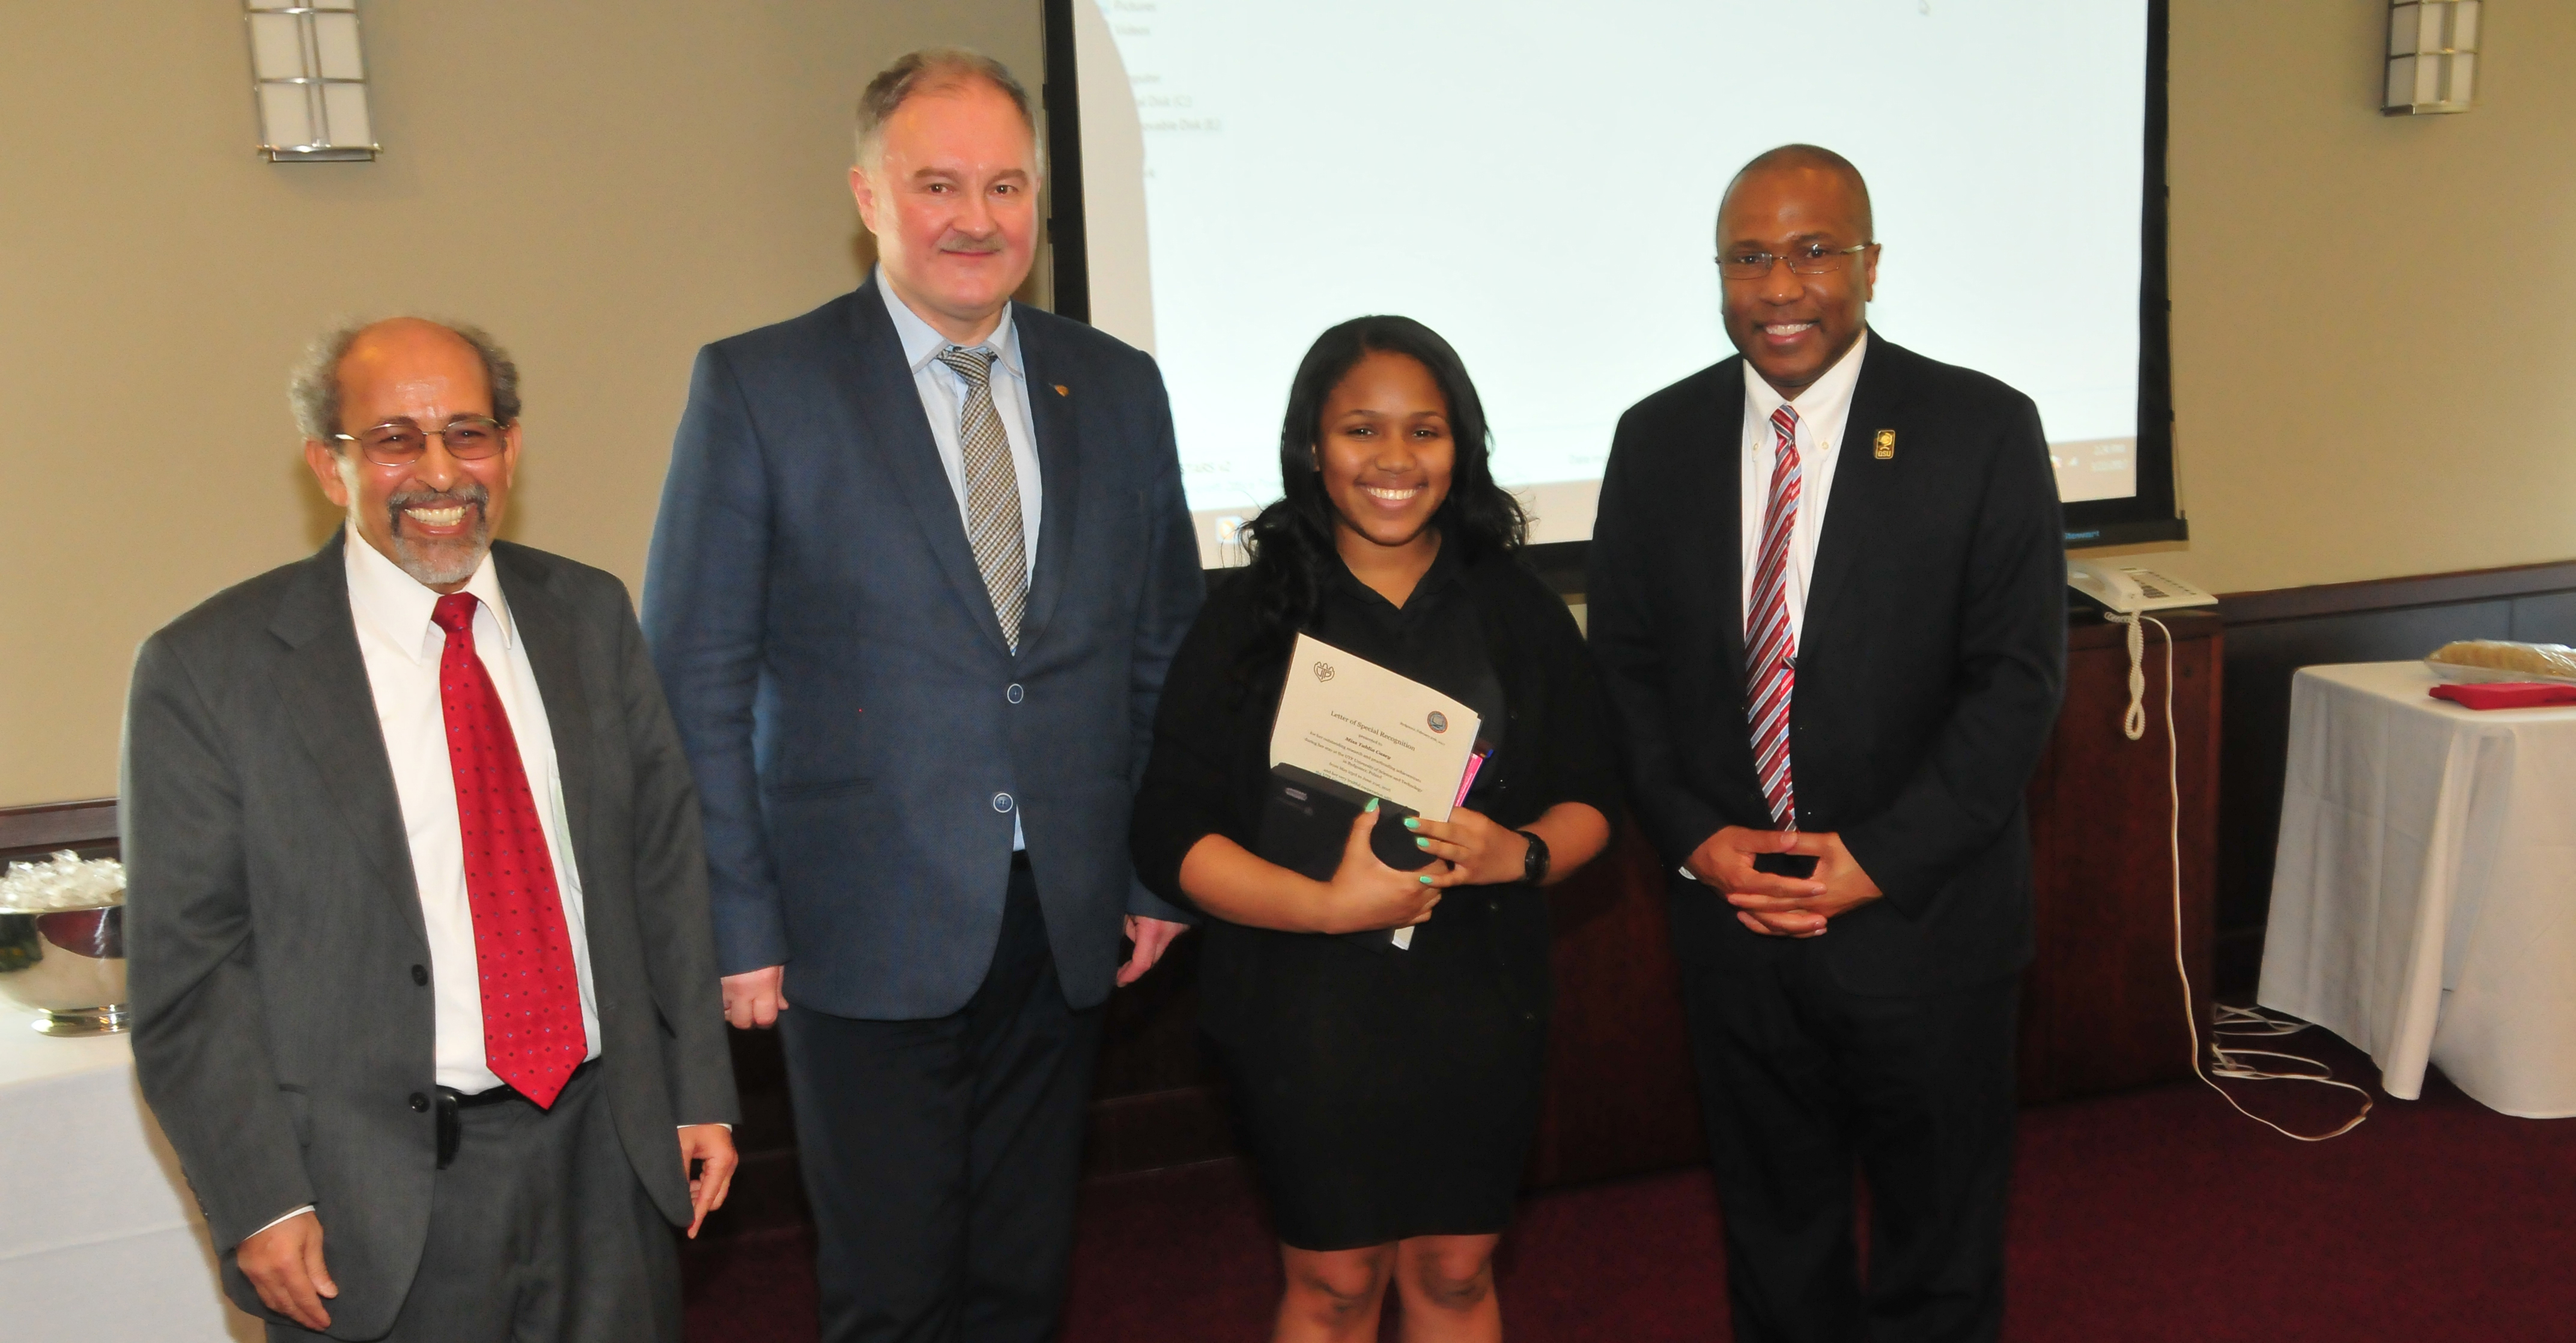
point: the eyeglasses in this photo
(1811, 259)
(468, 438)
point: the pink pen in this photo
(1474, 763)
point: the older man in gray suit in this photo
(417, 900)
(922, 560)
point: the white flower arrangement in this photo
(66, 882)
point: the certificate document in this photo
(1356, 723)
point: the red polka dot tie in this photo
(532, 1035)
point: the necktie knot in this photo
(975, 366)
(454, 613)
(1784, 422)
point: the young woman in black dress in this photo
(1389, 1095)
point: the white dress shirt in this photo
(943, 399)
(402, 650)
(1824, 409)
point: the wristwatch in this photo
(1534, 862)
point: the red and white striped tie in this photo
(1771, 671)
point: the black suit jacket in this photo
(1929, 669)
(283, 1033)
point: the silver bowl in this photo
(69, 965)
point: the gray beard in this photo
(442, 565)
(447, 563)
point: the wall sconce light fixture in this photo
(310, 81)
(2432, 56)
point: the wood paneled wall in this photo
(26, 831)
(2114, 824)
(1620, 1097)
(2102, 1011)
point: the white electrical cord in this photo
(2134, 722)
(2224, 1062)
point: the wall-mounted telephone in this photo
(2128, 588)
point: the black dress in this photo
(1385, 1093)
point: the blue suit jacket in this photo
(860, 732)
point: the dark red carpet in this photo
(2158, 1216)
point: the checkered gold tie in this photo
(993, 526)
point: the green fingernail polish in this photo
(1412, 824)
(1420, 843)
(1424, 880)
(1372, 806)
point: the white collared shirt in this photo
(943, 398)
(1824, 410)
(402, 650)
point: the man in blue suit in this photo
(921, 562)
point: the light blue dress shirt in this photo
(943, 398)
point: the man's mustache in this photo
(468, 493)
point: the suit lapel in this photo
(323, 683)
(1863, 498)
(544, 624)
(882, 397)
(1725, 531)
(1051, 418)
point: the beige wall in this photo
(605, 184)
(2374, 333)
(2374, 319)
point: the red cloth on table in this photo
(2506, 694)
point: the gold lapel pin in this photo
(1061, 391)
(1883, 447)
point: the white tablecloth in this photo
(2424, 898)
(99, 1241)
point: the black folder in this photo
(1306, 819)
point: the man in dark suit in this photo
(922, 560)
(417, 903)
(1826, 594)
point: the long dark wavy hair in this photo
(1291, 542)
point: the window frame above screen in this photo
(2148, 515)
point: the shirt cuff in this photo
(719, 1124)
(287, 1218)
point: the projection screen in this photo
(1539, 183)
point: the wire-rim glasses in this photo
(1813, 258)
(468, 438)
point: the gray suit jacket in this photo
(862, 733)
(282, 1033)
